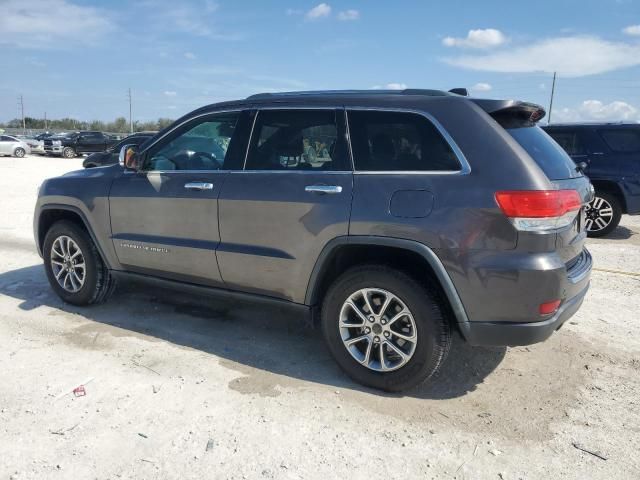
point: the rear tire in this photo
(603, 214)
(77, 278)
(68, 152)
(424, 326)
(19, 152)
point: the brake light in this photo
(539, 210)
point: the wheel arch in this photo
(50, 214)
(612, 188)
(410, 256)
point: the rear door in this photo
(164, 218)
(290, 200)
(5, 144)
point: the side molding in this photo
(417, 247)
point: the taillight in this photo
(540, 210)
(549, 307)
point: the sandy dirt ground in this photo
(186, 387)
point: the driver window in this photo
(202, 146)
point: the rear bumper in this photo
(513, 334)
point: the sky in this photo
(78, 58)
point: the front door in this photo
(291, 199)
(164, 218)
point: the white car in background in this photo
(12, 146)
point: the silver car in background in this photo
(37, 146)
(12, 146)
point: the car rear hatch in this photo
(520, 119)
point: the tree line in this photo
(119, 125)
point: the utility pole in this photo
(130, 114)
(45, 121)
(21, 103)
(553, 89)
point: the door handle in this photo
(323, 188)
(198, 186)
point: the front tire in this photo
(603, 215)
(385, 329)
(73, 265)
(68, 152)
(19, 152)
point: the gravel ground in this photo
(185, 387)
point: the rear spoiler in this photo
(512, 113)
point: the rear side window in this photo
(569, 141)
(398, 141)
(549, 156)
(297, 140)
(622, 140)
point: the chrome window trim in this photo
(285, 107)
(465, 168)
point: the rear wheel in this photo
(68, 152)
(73, 265)
(19, 152)
(603, 214)
(384, 329)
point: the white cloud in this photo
(349, 15)
(170, 93)
(481, 87)
(480, 38)
(633, 30)
(321, 10)
(570, 56)
(595, 110)
(189, 55)
(50, 23)
(391, 86)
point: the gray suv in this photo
(391, 218)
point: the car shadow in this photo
(269, 338)
(619, 233)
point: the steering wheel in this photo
(207, 157)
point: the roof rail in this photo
(406, 91)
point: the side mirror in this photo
(128, 157)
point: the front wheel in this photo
(68, 152)
(603, 214)
(19, 152)
(73, 265)
(384, 329)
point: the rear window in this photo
(549, 156)
(622, 140)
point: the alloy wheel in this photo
(67, 263)
(378, 329)
(598, 215)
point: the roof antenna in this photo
(460, 91)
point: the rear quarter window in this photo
(622, 140)
(550, 157)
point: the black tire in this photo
(19, 152)
(98, 283)
(601, 199)
(432, 328)
(68, 152)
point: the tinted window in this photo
(549, 156)
(569, 141)
(622, 140)
(201, 146)
(4, 138)
(296, 140)
(396, 141)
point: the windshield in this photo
(549, 156)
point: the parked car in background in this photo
(37, 146)
(10, 145)
(435, 213)
(110, 156)
(78, 143)
(611, 154)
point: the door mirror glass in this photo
(128, 157)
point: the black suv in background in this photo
(110, 155)
(71, 145)
(393, 218)
(611, 152)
